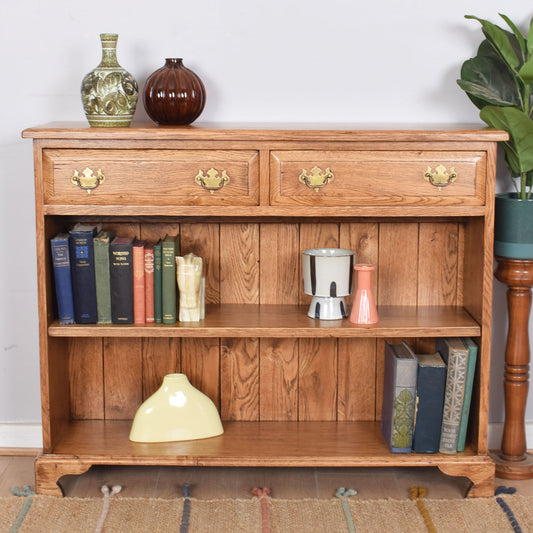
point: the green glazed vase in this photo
(513, 227)
(109, 92)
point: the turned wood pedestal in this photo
(513, 462)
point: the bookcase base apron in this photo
(256, 444)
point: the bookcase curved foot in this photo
(481, 475)
(48, 472)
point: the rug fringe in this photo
(417, 493)
(108, 494)
(506, 509)
(263, 495)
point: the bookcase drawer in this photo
(150, 177)
(330, 178)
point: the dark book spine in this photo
(430, 401)
(63, 281)
(121, 280)
(101, 271)
(169, 250)
(158, 295)
(83, 278)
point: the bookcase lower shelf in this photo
(83, 444)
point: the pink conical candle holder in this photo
(364, 307)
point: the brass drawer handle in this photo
(213, 181)
(440, 178)
(316, 178)
(88, 180)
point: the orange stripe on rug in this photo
(263, 495)
(417, 493)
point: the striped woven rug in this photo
(262, 513)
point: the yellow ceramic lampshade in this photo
(176, 411)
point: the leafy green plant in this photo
(499, 81)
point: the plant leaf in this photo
(488, 81)
(499, 40)
(526, 71)
(520, 128)
(517, 33)
(530, 38)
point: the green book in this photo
(469, 383)
(101, 272)
(170, 248)
(158, 302)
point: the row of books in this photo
(106, 279)
(426, 397)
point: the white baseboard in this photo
(21, 436)
(495, 435)
(30, 435)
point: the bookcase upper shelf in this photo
(283, 321)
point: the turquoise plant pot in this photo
(513, 227)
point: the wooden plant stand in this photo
(513, 462)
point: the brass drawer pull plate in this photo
(213, 181)
(316, 178)
(440, 178)
(88, 180)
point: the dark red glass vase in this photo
(174, 94)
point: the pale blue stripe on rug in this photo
(28, 493)
(342, 494)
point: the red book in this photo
(138, 282)
(149, 282)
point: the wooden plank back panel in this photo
(122, 377)
(419, 263)
(437, 263)
(278, 388)
(317, 380)
(200, 362)
(239, 358)
(160, 356)
(239, 379)
(203, 240)
(357, 357)
(357, 379)
(86, 373)
(398, 264)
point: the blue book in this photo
(469, 383)
(63, 281)
(121, 279)
(82, 272)
(399, 396)
(431, 382)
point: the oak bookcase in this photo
(291, 390)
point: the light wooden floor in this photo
(206, 483)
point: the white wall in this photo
(281, 60)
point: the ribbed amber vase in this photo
(174, 94)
